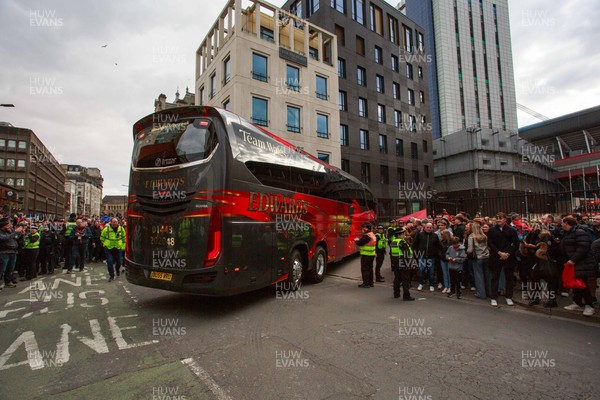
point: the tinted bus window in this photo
(174, 143)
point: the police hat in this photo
(399, 231)
(380, 227)
(33, 227)
(368, 226)
(392, 221)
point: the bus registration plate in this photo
(163, 276)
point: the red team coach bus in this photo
(218, 206)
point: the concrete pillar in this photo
(257, 19)
(276, 27)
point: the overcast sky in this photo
(82, 99)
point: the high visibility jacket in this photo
(111, 239)
(369, 248)
(69, 226)
(29, 244)
(396, 249)
(381, 240)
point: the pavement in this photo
(350, 269)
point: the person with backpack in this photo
(400, 257)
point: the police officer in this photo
(391, 230)
(367, 243)
(67, 243)
(31, 249)
(400, 255)
(380, 252)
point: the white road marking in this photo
(206, 379)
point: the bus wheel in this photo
(296, 270)
(317, 274)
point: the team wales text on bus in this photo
(218, 206)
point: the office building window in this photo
(365, 172)
(296, 8)
(360, 45)
(376, 19)
(378, 55)
(226, 70)
(12, 144)
(321, 83)
(411, 97)
(421, 96)
(267, 34)
(2, 142)
(20, 163)
(420, 72)
(397, 118)
(202, 96)
(412, 123)
(343, 101)
(363, 137)
(426, 170)
(379, 84)
(227, 105)
(20, 182)
(1, 162)
(420, 42)
(292, 78)
(393, 29)
(425, 147)
(345, 165)
(358, 11)
(383, 144)
(10, 181)
(381, 113)
(395, 64)
(213, 85)
(341, 35)
(342, 68)
(401, 178)
(409, 71)
(400, 147)
(22, 145)
(344, 135)
(293, 119)
(323, 157)
(361, 76)
(312, 7)
(259, 67)
(339, 5)
(362, 107)
(415, 176)
(384, 174)
(407, 38)
(414, 151)
(396, 90)
(10, 163)
(322, 126)
(260, 109)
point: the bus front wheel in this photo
(317, 274)
(296, 269)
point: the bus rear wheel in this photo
(296, 270)
(317, 274)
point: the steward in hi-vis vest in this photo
(31, 249)
(400, 255)
(67, 244)
(380, 252)
(113, 240)
(367, 243)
